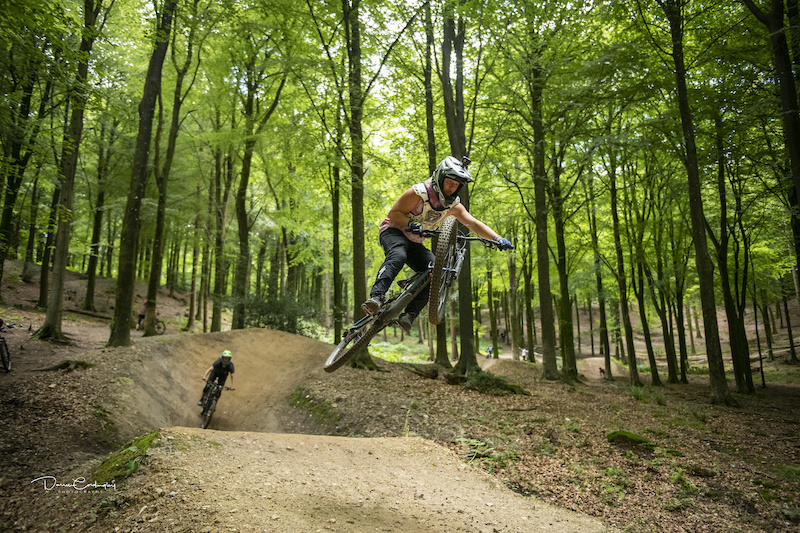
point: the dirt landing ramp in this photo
(206, 480)
(159, 380)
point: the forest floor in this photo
(294, 449)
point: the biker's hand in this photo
(415, 228)
(503, 244)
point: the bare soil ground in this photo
(294, 449)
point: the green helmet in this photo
(227, 353)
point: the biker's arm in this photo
(402, 207)
(474, 225)
(208, 373)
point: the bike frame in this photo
(394, 305)
(358, 336)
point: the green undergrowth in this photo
(396, 352)
(121, 464)
(485, 455)
(488, 383)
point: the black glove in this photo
(503, 244)
(415, 228)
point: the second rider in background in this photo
(218, 372)
(422, 207)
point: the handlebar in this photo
(215, 383)
(486, 242)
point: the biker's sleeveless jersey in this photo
(429, 212)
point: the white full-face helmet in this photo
(450, 167)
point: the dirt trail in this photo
(239, 481)
(262, 476)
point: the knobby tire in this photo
(160, 327)
(440, 287)
(208, 413)
(350, 346)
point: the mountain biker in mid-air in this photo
(422, 207)
(218, 371)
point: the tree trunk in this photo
(513, 289)
(454, 114)
(638, 283)
(221, 189)
(492, 314)
(622, 282)
(120, 328)
(569, 369)
(193, 294)
(163, 176)
(705, 268)
(527, 276)
(774, 21)
(352, 27)
(103, 160)
(51, 328)
(789, 331)
(605, 346)
(535, 79)
(33, 230)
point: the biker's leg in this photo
(395, 246)
(419, 259)
(205, 391)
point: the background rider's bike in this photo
(209, 402)
(5, 355)
(441, 275)
(160, 327)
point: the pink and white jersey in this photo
(429, 212)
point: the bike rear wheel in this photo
(353, 340)
(208, 413)
(5, 355)
(160, 327)
(442, 265)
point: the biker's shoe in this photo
(372, 305)
(405, 320)
(200, 403)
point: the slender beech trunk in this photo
(51, 328)
(705, 268)
(120, 328)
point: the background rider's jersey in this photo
(220, 370)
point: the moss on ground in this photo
(121, 464)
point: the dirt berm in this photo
(250, 472)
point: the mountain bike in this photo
(161, 328)
(449, 258)
(5, 355)
(209, 403)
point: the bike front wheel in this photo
(442, 266)
(353, 340)
(160, 327)
(208, 413)
(5, 355)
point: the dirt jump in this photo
(257, 467)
